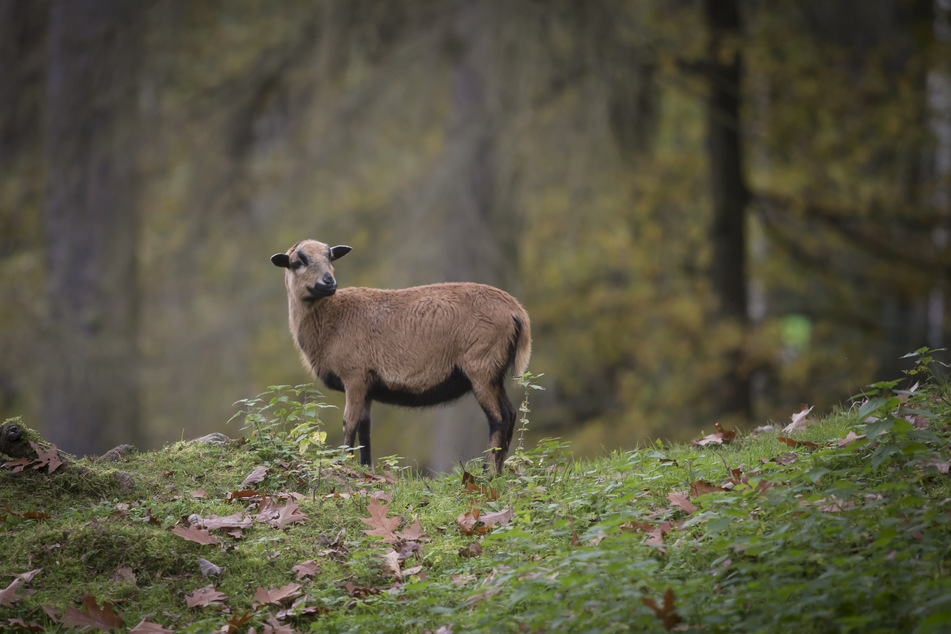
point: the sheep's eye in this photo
(299, 262)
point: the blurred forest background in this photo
(713, 210)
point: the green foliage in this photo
(282, 423)
(843, 527)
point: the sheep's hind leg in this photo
(500, 416)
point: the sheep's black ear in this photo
(339, 251)
(281, 260)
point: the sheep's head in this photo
(309, 275)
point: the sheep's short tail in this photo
(523, 344)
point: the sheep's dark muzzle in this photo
(318, 291)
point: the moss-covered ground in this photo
(842, 524)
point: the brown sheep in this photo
(414, 347)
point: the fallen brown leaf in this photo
(307, 568)
(9, 594)
(470, 485)
(358, 591)
(204, 596)
(92, 615)
(145, 627)
(467, 521)
(381, 525)
(702, 487)
(277, 596)
(414, 532)
(665, 612)
(123, 574)
(472, 550)
(502, 518)
(237, 520)
(391, 565)
(792, 442)
(208, 569)
(680, 501)
(289, 514)
(799, 419)
(241, 494)
(195, 534)
(48, 458)
(256, 475)
(20, 624)
(720, 437)
(850, 438)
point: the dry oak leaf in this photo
(48, 458)
(280, 516)
(30, 515)
(123, 574)
(702, 487)
(471, 486)
(785, 458)
(359, 592)
(300, 609)
(680, 501)
(20, 624)
(237, 520)
(414, 532)
(502, 518)
(18, 465)
(237, 621)
(792, 442)
(204, 596)
(146, 627)
(307, 568)
(207, 568)
(242, 493)
(9, 594)
(850, 438)
(391, 565)
(103, 619)
(256, 475)
(799, 419)
(291, 514)
(381, 525)
(472, 550)
(277, 595)
(721, 437)
(195, 534)
(666, 612)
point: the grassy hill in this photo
(840, 522)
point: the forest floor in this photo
(827, 523)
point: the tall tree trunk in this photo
(729, 191)
(90, 220)
(474, 236)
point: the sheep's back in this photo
(418, 336)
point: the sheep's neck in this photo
(306, 327)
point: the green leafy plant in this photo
(528, 382)
(283, 423)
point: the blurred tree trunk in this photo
(729, 191)
(475, 231)
(91, 225)
(23, 27)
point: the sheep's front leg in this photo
(356, 421)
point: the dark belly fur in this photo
(455, 386)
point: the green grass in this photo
(851, 538)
